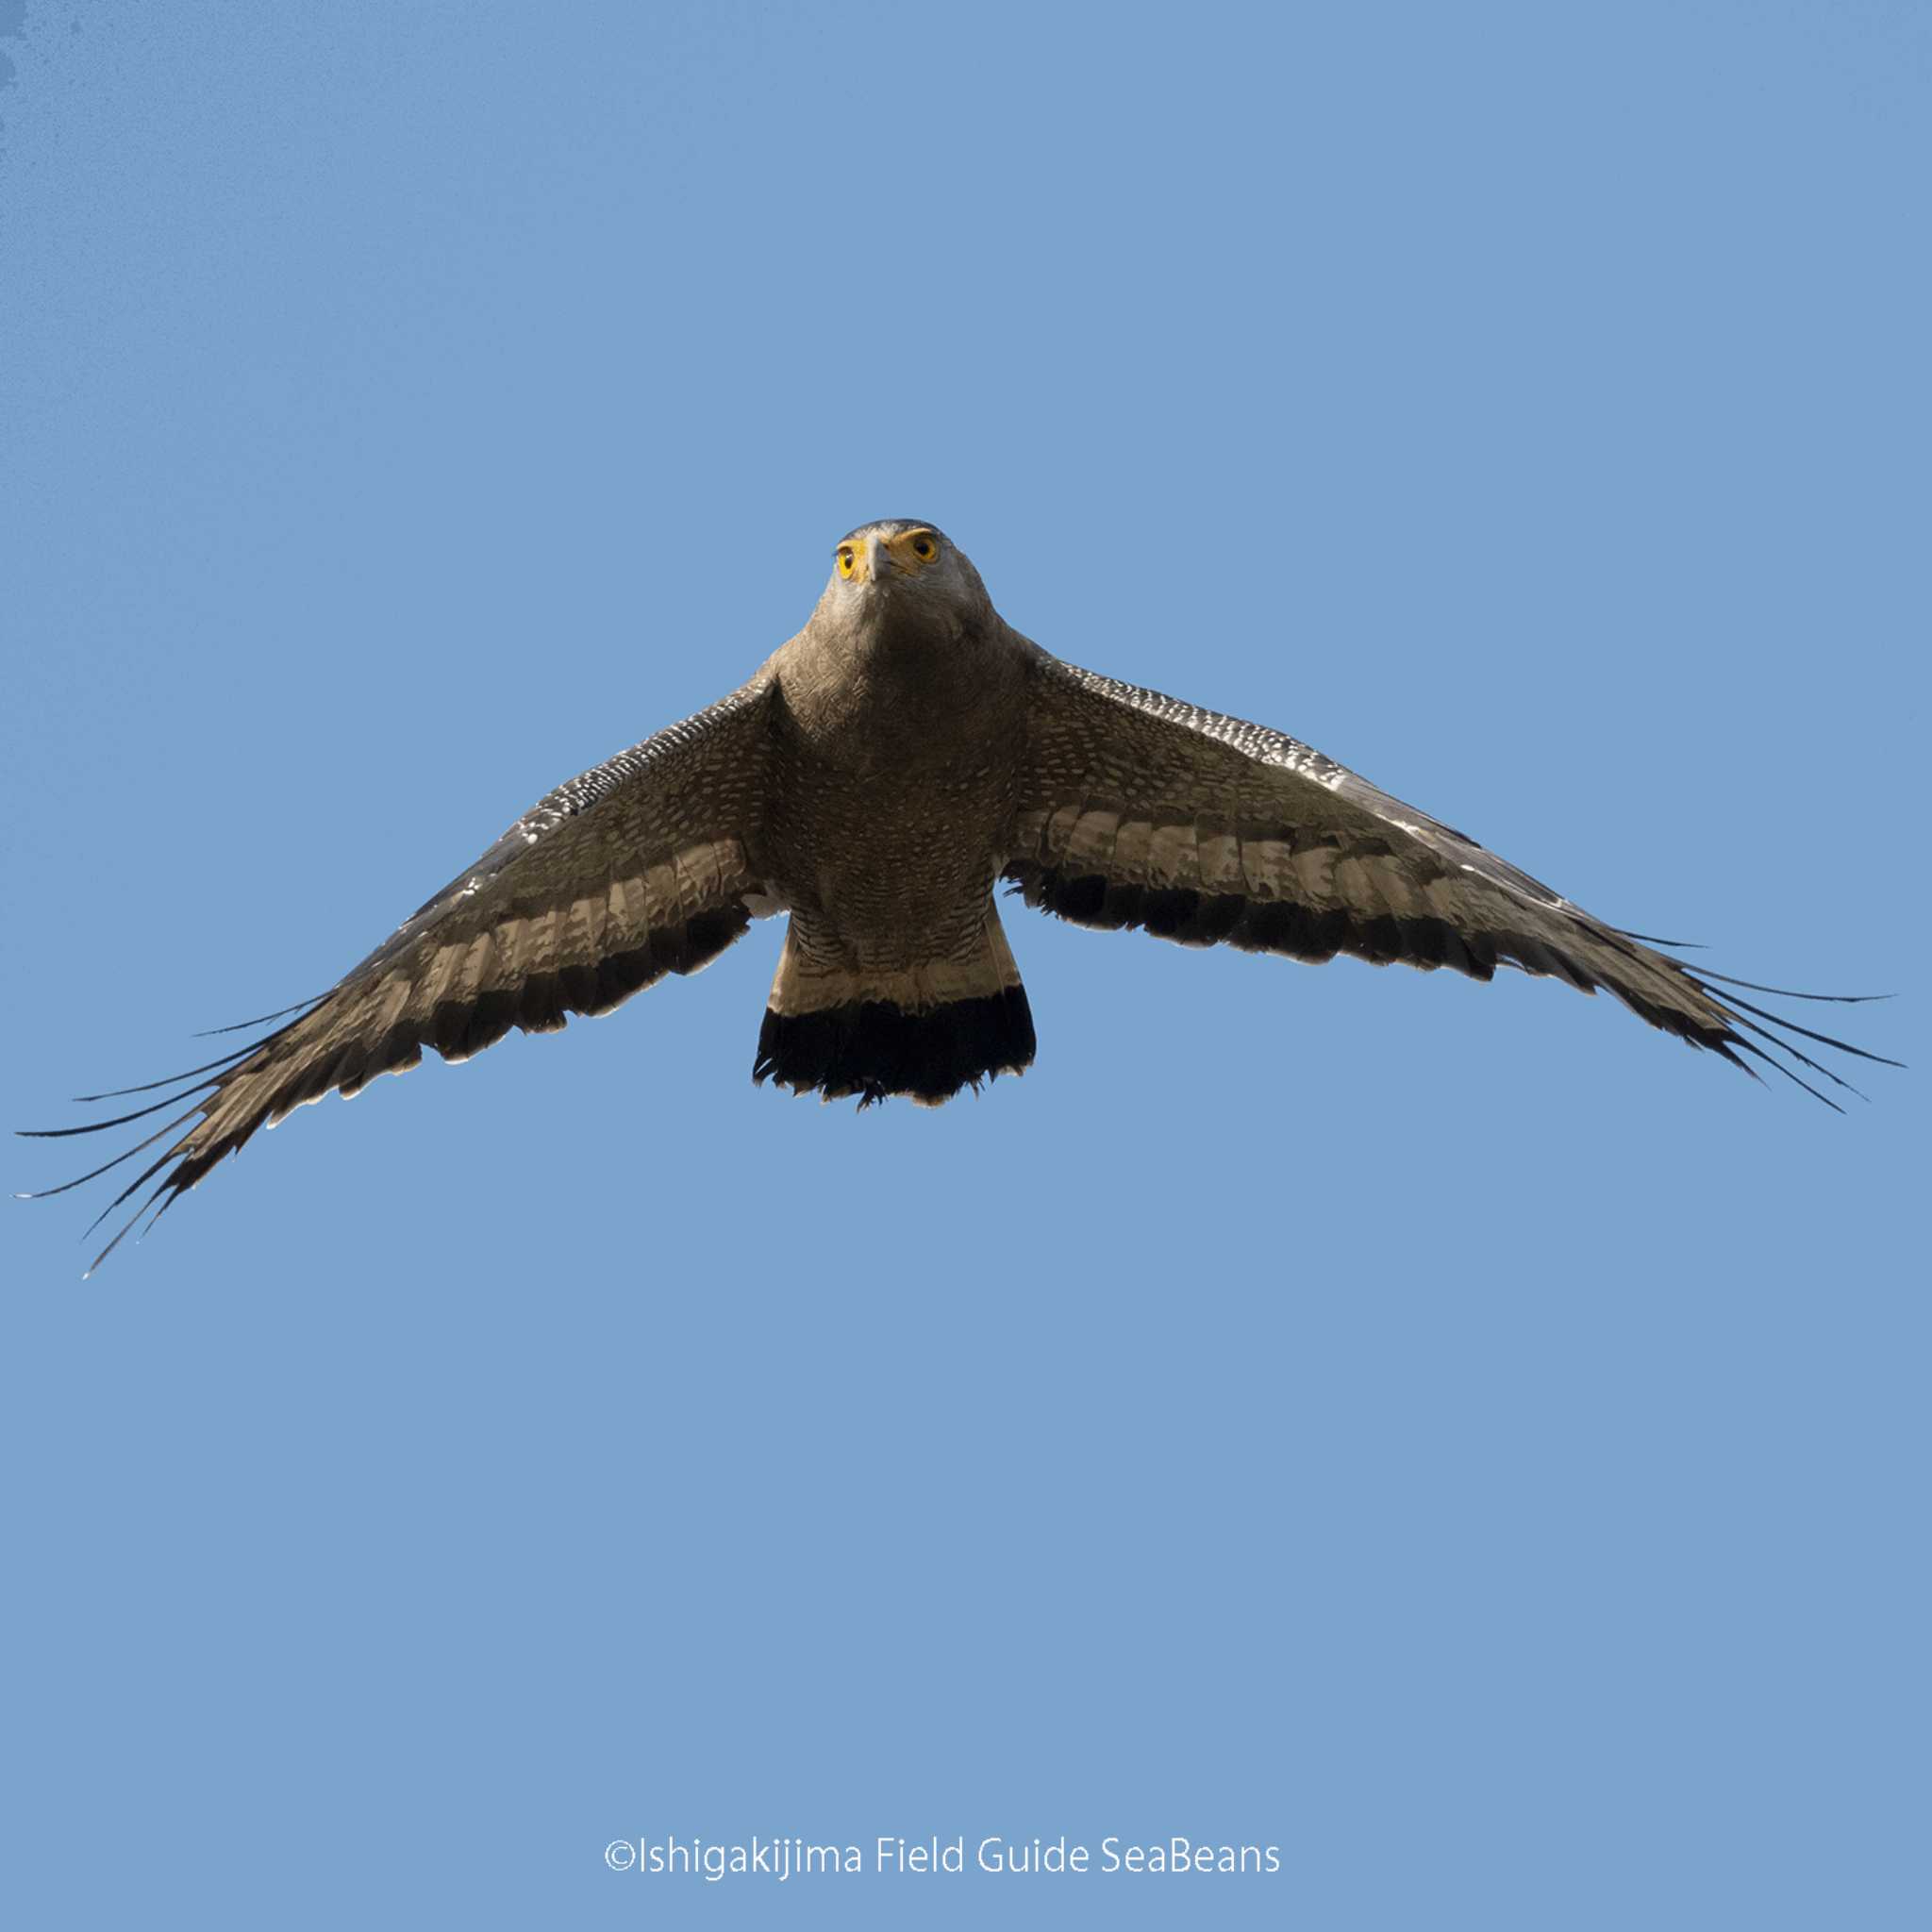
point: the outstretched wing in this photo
(640, 867)
(1139, 811)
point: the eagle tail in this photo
(924, 1031)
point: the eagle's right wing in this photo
(639, 866)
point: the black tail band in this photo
(872, 1049)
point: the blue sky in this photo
(1448, 1433)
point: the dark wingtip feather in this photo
(173, 1079)
(1805, 1032)
(122, 1234)
(166, 1127)
(240, 1053)
(1650, 938)
(119, 1120)
(219, 1069)
(281, 1014)
(1797, 1079)
(1803, 1058)
(146, 1174)
(1784, 992)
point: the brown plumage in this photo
(876, 779)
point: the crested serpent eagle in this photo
(875, 781)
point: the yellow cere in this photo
(911, 550)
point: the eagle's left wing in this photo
(1137, 809)
(639, 866)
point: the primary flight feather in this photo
(875, 780)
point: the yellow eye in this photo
(848, 562)
(924, 547)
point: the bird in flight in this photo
(875, 781)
